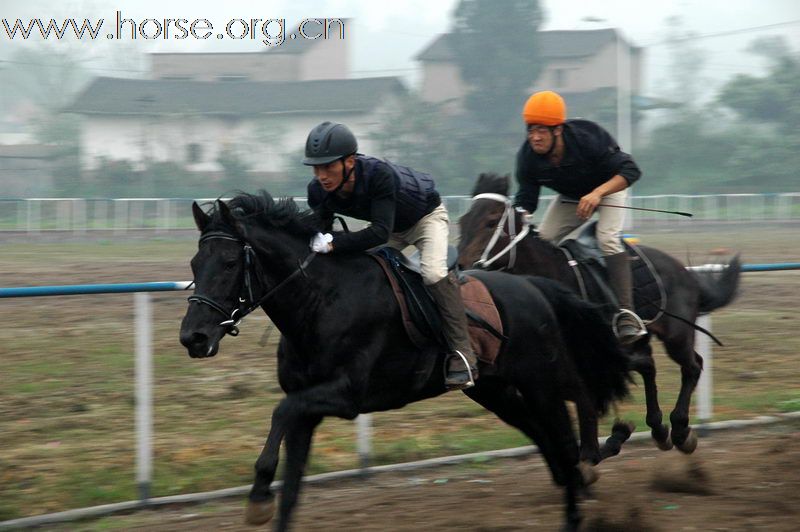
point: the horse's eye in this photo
(230, 265)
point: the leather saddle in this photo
(589, 265)
(421, 317)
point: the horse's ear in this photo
(225, 213)
(228, 217)
(201, 219)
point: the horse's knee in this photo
(643, 364)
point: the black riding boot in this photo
(461, 366)
(627, 325)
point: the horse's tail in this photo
(601, 364)
(718, 291)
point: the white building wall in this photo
(266, 142)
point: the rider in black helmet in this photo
(403, 208)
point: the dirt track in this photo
(743, 479)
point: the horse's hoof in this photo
(588, 472)
(661, 435)
(689, 444)
(665, 445)
(260, 512)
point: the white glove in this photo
(321, 243)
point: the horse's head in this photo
(486, 227)
(249, 248)
(219, 277)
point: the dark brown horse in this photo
(344, 350)
(514, 247)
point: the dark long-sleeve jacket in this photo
(591, 157)
(391, 197)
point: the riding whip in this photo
(679, 213)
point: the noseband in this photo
(247, 302)
(508, 214)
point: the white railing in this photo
(160, 215)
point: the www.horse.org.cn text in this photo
(271, 31)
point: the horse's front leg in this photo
(261, 506)
(298, 445)
(296, 416)
(590, 454)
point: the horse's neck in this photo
(293, 300)
(545, 259)
(299, 308)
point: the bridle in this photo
(511, 248)
(247, 302)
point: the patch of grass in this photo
(789, 405)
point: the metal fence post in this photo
(144, 395)
(364, 439)
(705, 387)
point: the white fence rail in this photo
(159, 215)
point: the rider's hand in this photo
(588, 204)
(525, 215)
(321, 243)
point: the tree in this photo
(769, 111)
(496, 48)
(685, 82)
(771, 99)
(453, 149)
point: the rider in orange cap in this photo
(581, 161)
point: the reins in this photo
(247, 302)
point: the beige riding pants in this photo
(430, 237)
(561, 219)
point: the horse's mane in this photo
(261, 208)
(491, 182)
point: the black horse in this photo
(687, 295)
(344, 351)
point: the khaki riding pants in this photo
(561, 219)
(430, 237)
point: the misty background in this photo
(712, 108)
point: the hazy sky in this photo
(386, 35)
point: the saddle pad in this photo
(648, 291)
(417, 337)
(478, 300)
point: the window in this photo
(194, 153)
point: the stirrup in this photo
(642, 327)
(470, 382)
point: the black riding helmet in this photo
(328, 142)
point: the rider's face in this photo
(330, 175)
(541, 138)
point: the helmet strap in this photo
(345, 175)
